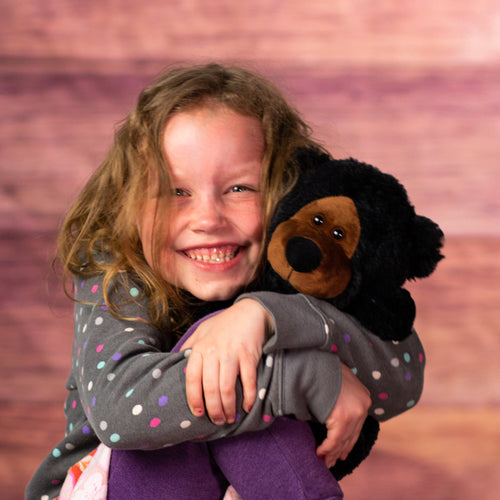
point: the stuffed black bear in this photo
(348, 233)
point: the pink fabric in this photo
(88, 480)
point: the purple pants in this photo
(278, 462)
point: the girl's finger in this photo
(211, 392)
(248, 375)
(329, 448)
(351, 442)
(194, 389)
(228, 375)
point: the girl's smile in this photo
(215, 220)
(214, 255)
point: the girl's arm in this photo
(393, 372)
(133, 392)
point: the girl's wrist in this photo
(253, 306)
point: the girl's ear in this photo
(427, 241)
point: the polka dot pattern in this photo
(145, 406)
(155, 422)
(380, 378)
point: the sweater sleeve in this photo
(132, 390)
(393, 372)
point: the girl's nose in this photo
(207, 215)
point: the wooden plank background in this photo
(412, 87)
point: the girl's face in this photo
(215, 219)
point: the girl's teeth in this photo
(215, 257)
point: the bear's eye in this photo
(338, 233)
(318, 220)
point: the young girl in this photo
(169, 228)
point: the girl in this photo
(170, 227)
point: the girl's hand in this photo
(346, 419)
(223, 347)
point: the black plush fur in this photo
(395, 245)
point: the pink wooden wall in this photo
(412, 87)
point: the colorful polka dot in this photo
(347, 338)
(395, 362)
(134, 292)
(99, 348)
(116, 356)
(408, 376)
(101, 365)
(421, 357)
(376, 375)
(379, 411)
(129, 330)
(56, 453)
(354, 370)
(156, 373)
(95, 288)
(266, 418)
(86, 429)
(262, 393)
(407, 357)
(89, 387)
(137, 410)
(269, 361)
(73, 404)
(114, 438)
(162, 400)
(155, 422)
(99, 320)
(110, 376)
(410, 403)
(185, 424)
(129, 393)
(69, 446)
(103, 425)
(334, 348)
(383, 395)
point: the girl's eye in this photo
(179, 192)
(238, 189)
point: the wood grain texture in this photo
(410, 87)
(316, 32)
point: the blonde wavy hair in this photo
(103, 219)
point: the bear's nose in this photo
(303, 254)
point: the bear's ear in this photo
(426, 247)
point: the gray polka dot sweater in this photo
(127, 390)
